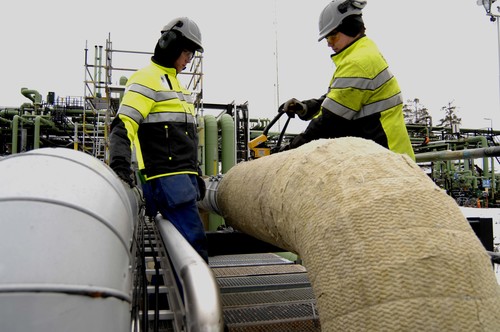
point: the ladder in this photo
(157, 301)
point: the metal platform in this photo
(265, 292)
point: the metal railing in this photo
(201, 295)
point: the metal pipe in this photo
(52, 210)
(209, 202)
(36, 134)
(8, 112)
(15, 133)
(5, 121)
(201, 292)
(226, 124)
(38, 121)
(460, 154)
(211, 146)
(32, 95)
(75, 136)
(484, 144)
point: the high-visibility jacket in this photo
(363, 100)
(157, 118)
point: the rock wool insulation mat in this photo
(384, 247)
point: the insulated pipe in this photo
(385, 248)
(67, 226)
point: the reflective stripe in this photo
(338, 109)
(367, 110)
(131, 113)
(159, 96)
(363, 83)
(170, 174)
(169, 117)
(381, 105)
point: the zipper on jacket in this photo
(168, 144)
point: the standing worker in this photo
(156, 118)
(364, 99)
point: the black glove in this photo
(278, 149)
(295, 106)
(126, 176)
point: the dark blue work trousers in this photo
(175, 197)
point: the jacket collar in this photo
(167, 70)
(347, 50)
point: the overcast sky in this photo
(260, 51)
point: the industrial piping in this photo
(385, 248)
(67, 228)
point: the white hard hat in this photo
(335, 12)
(188, 28)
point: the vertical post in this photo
(498, 40)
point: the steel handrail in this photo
(201, 293)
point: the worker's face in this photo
(183, 59)
(337, 41)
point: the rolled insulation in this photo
(385, 248)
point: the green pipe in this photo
(5, 121)
(460, 154)
(484, 143)
(473, 179)
(211, 146)
(36, 143)
(212, 162)
(226, 124)
(32, 95)
(38, 121)
(9, 112)
(15, 131)
(122, 82)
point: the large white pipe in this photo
(384, 247)
(67, 225)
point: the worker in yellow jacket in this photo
(363, 99)
(156, 119)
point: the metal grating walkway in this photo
(265, 292)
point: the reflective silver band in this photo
(362, 83)
(169, 117)
(159, 96)
(131, 113)
(367, 110)
(156, 117)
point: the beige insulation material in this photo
(384, 247)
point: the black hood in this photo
(167, 56)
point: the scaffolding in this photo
(102, 97)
